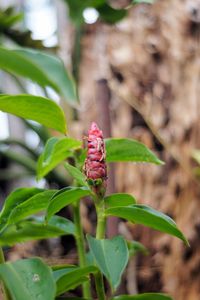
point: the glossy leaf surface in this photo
(27, 230)
(119, 199)
(28, 279)
(16, 198)
(129, 150)
(111, 257)
(65, 197)
(76, 174)
(69, 279)
(55, 151)
(145, 215)
(39, 109)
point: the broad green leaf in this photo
(55, 151)
(42, 68)
(135, 247)
(39, 109)
(76, 174)
(146, 296)
(129, 150)
(111, 15)
(28, 279)
(65, 197)
(59, 271)
(145, 215)
(71, 279)
(34, 204)
(27, 230)
(111, 257)
(119, 199)
(55, 71)
(17, 197)
(143, 1)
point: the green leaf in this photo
(110, 15)
(28, 279)
(65, 197)
(35, 204)
(119, 199)
(145, 215)
(69, 279)
(196, 155)
(16, 198)
(146, 296)
(55, 151)
(39, 109)
(111, 257)
(143, 1)
(42, 68)
(76, 174)
(34, 229)
(129, 150)
(55, 71)
(135, 247)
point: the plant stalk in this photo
(4, 290)
(100, 234)
(81, 246)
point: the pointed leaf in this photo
(17, 197)
(42, 68)
(55, 72)
(28, 230)
(73, 278)
(55, 151)
(129, 150)
(143, 1)
(65, 197)
(145, 215)
(76, 174)
(34, 204)
(135, 247)
(119, 199)
(39, 109)
(111, 257)
(28, 279)
(146, 296)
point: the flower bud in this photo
(95, 166)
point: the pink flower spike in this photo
(95, 165)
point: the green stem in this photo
(4, 290)
(81, 246)
(100, 234)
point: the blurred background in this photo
(137, 70)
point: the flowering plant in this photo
(107, 258)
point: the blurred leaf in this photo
(145, 215)
(35, 204)
(9, 17)
(135, 247)
(69, 279)
(56, 72)
(129, 150)
(143, 1)
(35, 229)
(76, 174)
(111, 15)
(65, 197)
(55, 151)
(146, 296)
(17, 197)
(39, 109)
(44, 69)
(196, 155)
(119, 199)
(28, 279)
(111, 257)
